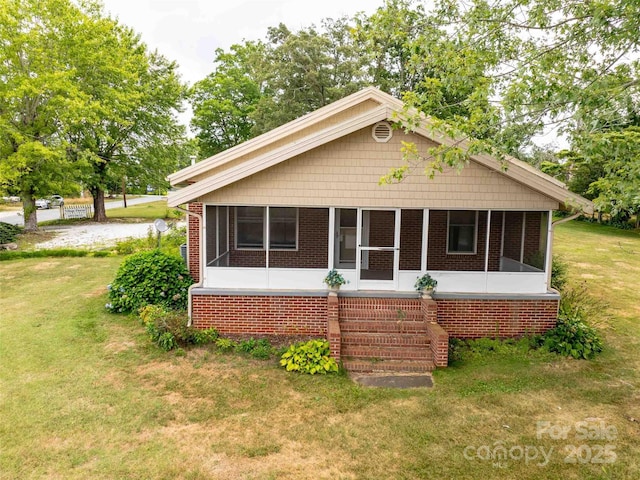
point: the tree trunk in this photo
(99, 213)
(124, 192)
(30, 212)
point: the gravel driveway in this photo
(95, 235)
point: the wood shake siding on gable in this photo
(346, 173)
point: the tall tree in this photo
(224, 101)
(138, 94)
(40, 42)
(303, 72)
(571, 64)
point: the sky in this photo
(189, 31)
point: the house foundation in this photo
(375, 331)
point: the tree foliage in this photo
(41, 42)
(137, 94)
(224, 101)
(82, 101)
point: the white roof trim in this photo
(276, 156)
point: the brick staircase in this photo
(384, 336)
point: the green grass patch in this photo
(84, 394)
(52, 253)
(148, 211)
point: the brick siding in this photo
(262, 315)
(193, 240)
(496, 318)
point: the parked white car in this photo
(57, 201)
(43, 203)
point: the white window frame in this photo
(266, 237)
(475, 234)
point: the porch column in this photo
(425, 240)
(486, 246)
(486, 251)
(267, 241)
(332, 237)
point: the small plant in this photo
(309, 357)
(225, 344)
(334, 279)
(260, 349)
(169, 330)
(425, 282)
(573, 337)
(150, 278)
(559, 273)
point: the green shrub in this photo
(150, 278)
(309, 357)
(168, 328)
(9, 232)
(260, 349)
(225, 344)
(202, 337)
(481, 348)
(559, 272)
(573, 337)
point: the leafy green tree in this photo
(570, 64)
(224, 101)
(617, 191)
(138, 94)
(303, 71)
(39, 95)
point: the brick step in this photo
(373, 315)
(385, 339)
(380, 326)
(364, 366)
(386, 352)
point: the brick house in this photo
(271, 216)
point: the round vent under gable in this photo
(382, 132)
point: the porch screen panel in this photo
(250, 227)
(535, 239)
(223, 237)
(438, 258)
(411, 239)
(211, 218)
(512, 235)
(283, 228)
(312, 245)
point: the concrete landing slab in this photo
(394, 381)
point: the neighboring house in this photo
(270, 217)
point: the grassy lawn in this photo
(147, 211)
(84, 395)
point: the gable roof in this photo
(290, 140)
